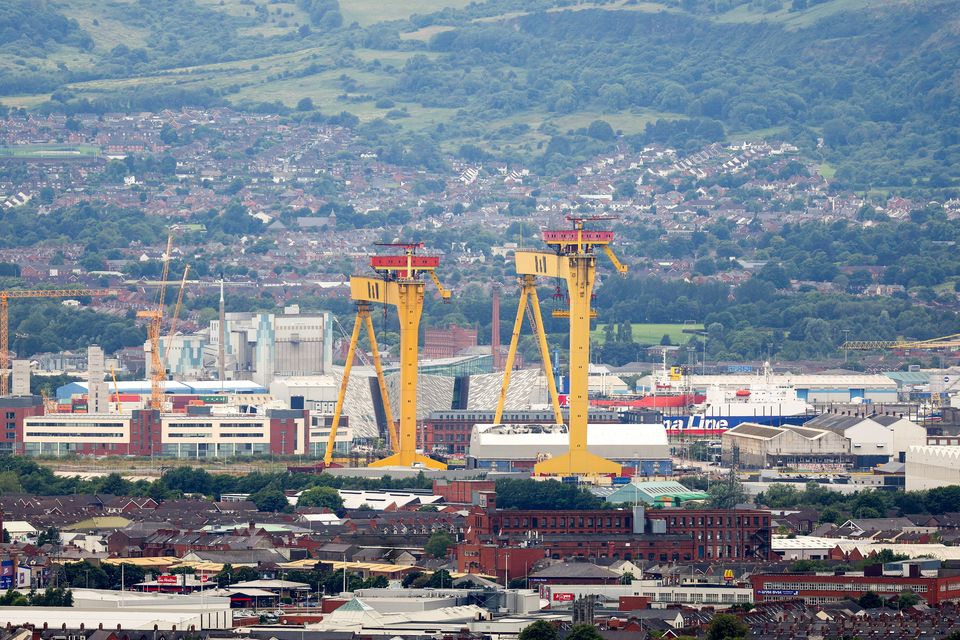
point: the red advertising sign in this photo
(167, 579)
(563, 597)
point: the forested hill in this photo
(868, 86)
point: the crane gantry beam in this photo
(9, 294)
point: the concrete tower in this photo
(98, 396)
(21, 378)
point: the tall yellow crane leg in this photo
(363, 318)
(381, 380)
(511, 355)
(338, 410)
(545, 356)
(409, 308)
(529, 297)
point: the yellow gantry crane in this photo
(399, 285)
(5, 296)
(529, 300)
(574, 260)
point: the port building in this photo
(929, 467)
(759, 446)
(832, 440)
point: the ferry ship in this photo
(763, 402)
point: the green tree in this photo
(907, 599)
(727, 494)
(870, 600)
(438, 544)
(584, 632)
(539, 630)
(725, 626)
(50, 536)
(322, 497)
(270, 499)
(627, 578)
(439, 579)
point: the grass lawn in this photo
(797, 19)
(653, 333)
(49, 151)
(827, 170)
(426, 33)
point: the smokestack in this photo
(222, 354)
(495, 331)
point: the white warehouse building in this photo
(930, 467)
(509, 447)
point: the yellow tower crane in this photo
(529, 300)
(155, 317)
(5, 296)
(574, 260)
(400, 285)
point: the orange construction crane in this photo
(5, 296)
(49, 405)
(116, 387)
(158, 372)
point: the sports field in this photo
(653, 333)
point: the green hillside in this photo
(863, 86)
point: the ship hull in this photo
(703, 425)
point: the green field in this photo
(653, 333)
(827, 170)
(41, 151)
(797, 19)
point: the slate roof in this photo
(576, 570)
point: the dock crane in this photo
(398, 284)
(6, 296)
(574, 260)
